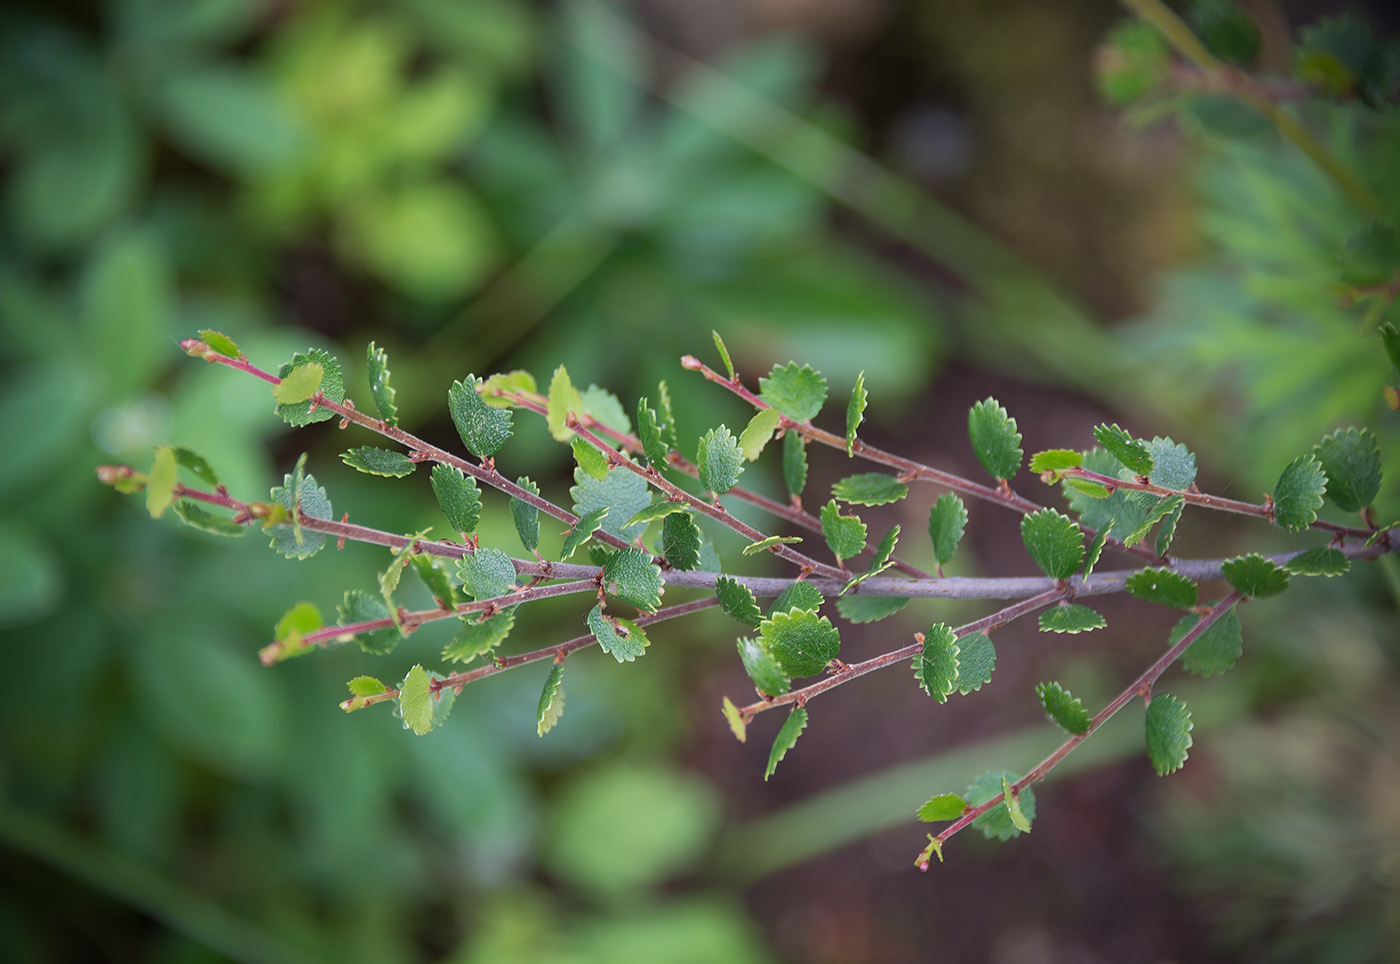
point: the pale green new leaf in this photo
(997, 823)
(786, 739)
(801, 641)
(945, 806)
(1054, 542)
(220, 342)
(526, 515)
(845, 534)
(1352, 460)
(855, 413)
(435, 578)
(1071, 618)
(794, 463)
(1019, 820)
(1133, 453)
(299, 384)
(737, 601)
(377, 461)
(680, 541)
(1168, 733)
(1255, 576)
(593, 462)
(1322, 561)
(795, 390)
(486, 574)
(197, 464)
(1298, 494)
(362, 687)
(479, 636)
(759, 432)
(762, 668)
(1162, 586)
(622, 639)
(936, 667)
(377, 368)
(605, 409)
(658, 510)
(581, 532)
(735, 719)
(720, 460)
(299, 621)
(551, 704)
(630, 576)
(1216, 650)
(768, 542)
(332, 388)
(869, 609)
(1056, 460)
(160, 484)
(870, 488)
(459, 498)
(1063, 708)
(723, 354)
(483, 429)
(494, 388)
(994, 438)
(977, 658)
(561, 401)
(415, 701)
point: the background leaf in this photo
(996, 823)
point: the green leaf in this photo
(1254, 576)
(1133, 61)
(1133, 453)
(735, 719)
(870, 488)
(299, 384)
(945, 806)
(1167, 531)
(658, 510)
(551, 705)
(1222, 116)
(299, 621)
(197, 464)
(1162, 586)
(1298, 494)
(1227, 30)
(377, 368)
(435, 578)
(562, 400)
(1216, 650)
(680, 541)
(289, 538)
(486, 574)
(621, 638)
(869, 609)
(758, 432)
(1085, 487)
(794, 463)
(377, 461)
(1091, 557)
(478, 637)
(855, 413)
(229, 117)
(977, 658)
(1054, 542)
(160, 485)
(1071, 618)
(1169, 506)
(332, 387)
(797, 391)
(762, 667)
(936, 667)
(220, 342)
(723, 354)
(1168, 733)
(483, 429)
(1019, 820)
(768, 542)
(581, 531)
(1352, 460)
(801, 641)
(845, 534)
(947, 520)
(737, 601)
(416, 701)
(516, 382)
(623, 493)
(526, 515)
(720, 460)
(798, 595)
(667, 416)
(459, 498)
(362, 687)
(997, 823)
(359, 607)
(1390, 338)
(192, 514)
(1322, 561)
(649, 432)
(605, 409)
(1063, 707)
(1173, 465)
(994, 439)
(786, 739)
(1056, 460)
(631, 577)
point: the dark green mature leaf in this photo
(192, 514)
(360, 607)
(1352, 460)
(377, 368)
(945, 806)
(801, 641)
(332, 387)
(1298, 494)
(221, 343)
(996, 823)
(794, 463)
(486, 574)
(494, 389)
(1063, 708)
(870, 488)
(580, 532)
(798, 595)
(1216, 650)
(1255, 576)
(1167, 531)
(1071, 618)
(1054, 542)
(623, 493)
(737, 601)
(759, 432)
(483, 429)
(845, 534)
(936, 668)
(551, 704)
(377, 461)
(589, 459)
(1322, 561)
(1133, 453)
(459, 498)
(855, 413)
(795, 390)
(479, 636)
(526, 515)
(720, 460)
(1163, 586)
(1168, 733)
(631, 577)
(768, 542)
(1169, 506)
(1173, 465)
(435, 578)
(977, 658)
(649, 433)
(160, 484)
(290, 538)
(947, 520)
(1121, 509)
(994, 439)
(1091, 557)
(1227, 30)
(300, 384)
(197, 464)
(882, 559)
(869, 609)
(680, 541)
(623, 639)
(1056, 460)
(762, 668)
(786, 739)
